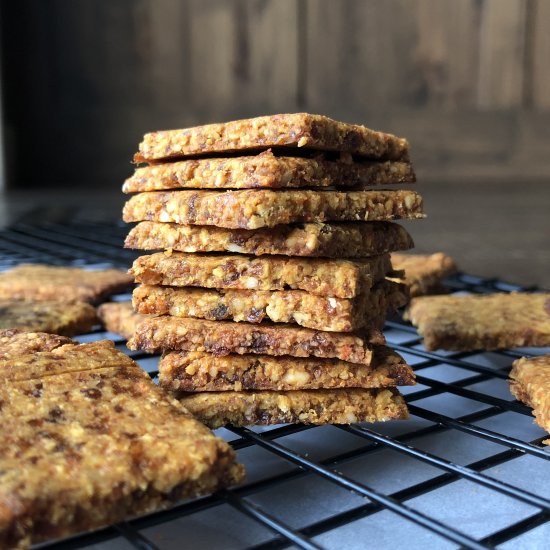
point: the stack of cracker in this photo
(270, 292)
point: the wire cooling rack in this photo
(468, 469)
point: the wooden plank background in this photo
(467, 81)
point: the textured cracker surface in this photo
(224, 337)
(282, 306)
(196, 371)
(252, 209)
(66, 319)
(14, 342)
(530, 383)
(119, 317)
(334, 240)
(88, 440)
(290, 130)
(337, 406)
(494, 321)
(423, 272)
(339, 278)
(268, 171)
(67, 284)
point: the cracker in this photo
(493, 321)
(252, 209)
(301, 130)
(281, 306)
(268, 171)
(334, 240)
(530, 383)
(88, 440)
(119, 318)
(165, 333)
(338, 278)
(14, 342)
(337, 406)
(424, 273)
(67, 284)
(195, 371)
(66, 319)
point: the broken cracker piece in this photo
(485, 322)
(424, 273)
(530, 383)
(66, 284)
(65, 319)
(119, 318)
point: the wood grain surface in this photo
(466, 81)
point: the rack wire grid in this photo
(468, 469)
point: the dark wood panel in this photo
(502, 54)
(75, 78)
(353, 61)
(243, 58)
(466, 81)
(541, 54)
(447, 51)
(393, 53)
